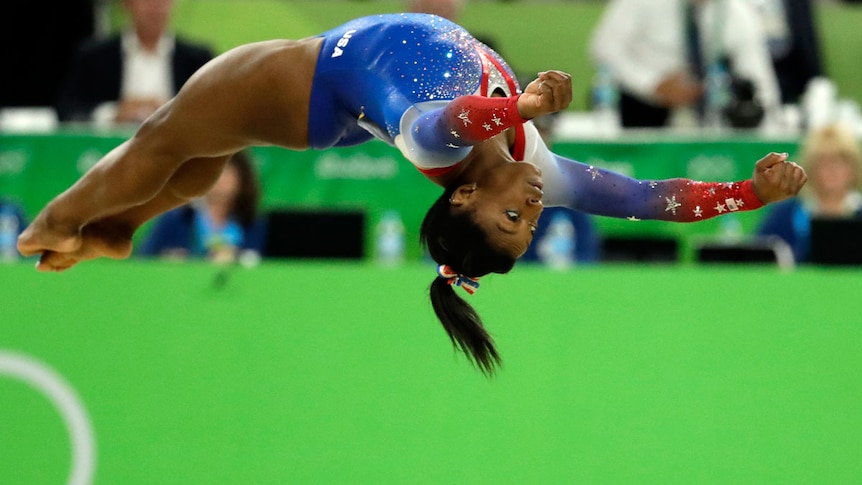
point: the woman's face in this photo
(833, 174)
(507, 202)
(223, 194)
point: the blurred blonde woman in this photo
(833, 160)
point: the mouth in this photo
(536, 183)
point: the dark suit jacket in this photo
(802, 62)
(96, 74)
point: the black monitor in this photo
(757, 250)
(637, 249)
(836, 241)
(315, 234)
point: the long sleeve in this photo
(442, 136)
(602, 192)
(465, 121)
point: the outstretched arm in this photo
(602, 192)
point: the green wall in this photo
(374, 177)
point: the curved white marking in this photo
(64, 398)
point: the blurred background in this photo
(278, 330)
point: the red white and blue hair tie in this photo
(469, 284)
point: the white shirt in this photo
(643, 42)
(146, 74)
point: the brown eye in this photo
(513, 215)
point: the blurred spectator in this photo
(660, 51)
(833, 160)
(12, 223)
(219, 226)
(448, 9)
(124, 78)
(794, 44)
(34, 55)
(11, 207)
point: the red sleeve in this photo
(466, 120)
(477, 118)
(702, 200)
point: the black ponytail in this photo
(455, 240)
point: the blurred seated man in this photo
(124, 78)
(833, 159)
(659, 52)
(794, 44)
(219, 226)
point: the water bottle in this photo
(717, 94)
(605, 98)
(8, 234)
(390, 239)
(557, 247)
(731, 228)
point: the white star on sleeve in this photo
(464, 116)
(454, 134)
(497, 121)
(672, 204)
(594, 172)
(487, 126)
(633, 218)
(719, 207)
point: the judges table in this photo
(149, 373)
(374, 177)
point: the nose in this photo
(534, 200)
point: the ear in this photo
(462, 195)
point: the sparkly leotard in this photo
(374, 73)
(421, 82)
(373, 69)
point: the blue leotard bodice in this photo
(371, 70)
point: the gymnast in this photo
(419, 82)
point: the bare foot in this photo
(43, 235)
(60, 251)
